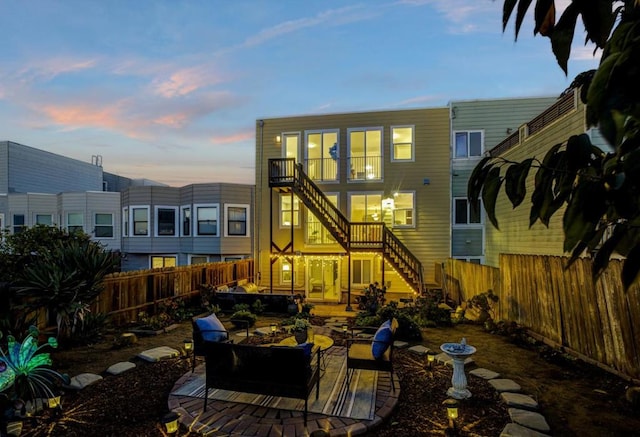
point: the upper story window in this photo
(166, 221)
(206, 220)
(289, 212)
(185, 219)
(365, 207)
(402, 143)
(291, 145)
(75, 222)
(466, 214)
(140, 220)
(44, 219)
(365, 153)
(468, 144)
(237, 218)
(103, 225)
(321, 154)
(18, 223)
(125, 222)
(404, 209)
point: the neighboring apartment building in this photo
(169, 226)
(477, 126)
(345, 200)
(534, 138)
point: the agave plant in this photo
(26, 369)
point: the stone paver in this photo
(515, 430)
(484, 373)
(158, 354)
(529, 419)
(518, 400)
(121, 367)
(419, 350)
(505, 385)
(399, 344)
(83, 380)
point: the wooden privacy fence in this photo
(127, 294)
(462, 280)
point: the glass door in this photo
(322, 280)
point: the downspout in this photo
(258, 200)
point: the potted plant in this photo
(301, 329)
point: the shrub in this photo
(258, 307)
(241, 317)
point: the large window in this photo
(185, 219)
(464, 214)
(321, 154)
(125, 222)
(286, 271)
(237, 218)
(361, 271)
(365, 207)
(103, 225)
(365, 154)
(289, 213)
(75, 222)
(468, 144)
(160, 261)
(44, 219)
(404, 208)
(140, 220)
(18, 223)
(206, 220)
(166, 221)
(402, 148)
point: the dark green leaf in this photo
(523, 6)
(598, 17)
(578, 152)
(515, 181)
(507, 9)
(545, 16)
(631, 267)
(601, 260)
(477, 179)
(577, 251)
(490, 194)
(562, 35)
(583, 213)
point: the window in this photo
(361, 271)
(125, 222)
(1, 227)
(103, 225)
(468, 144)
(291, 145)
(472, 260)
(316, 232)
(140, 220)
(403, 211)
(18, 223)
(75, 222)
(402, 148)
(166, 221)
(44, 219)
(463, 215)
(287, 213)
(237, 217)
(365, 153)
(365, 207)
(206, 220)
(286, 272)
(198, 259)
(160, 261)
(321, 154)
(185, 214)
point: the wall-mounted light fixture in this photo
(388, 203)
(278, 139)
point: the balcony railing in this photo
(363, 168)
(322, 169)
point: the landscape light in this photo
(344, 329)
(274, 327)
(54, 401)
(452, 411)
(188, 345)
(431, 357)
(170, 421)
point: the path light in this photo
(431, 358)
(274, 327)
(187, 345)
(452, 412)
(54, 401)
(170, 421)
(345, 327)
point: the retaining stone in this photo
(484, 373)
(505, 385)
(83, 380)
(158, 354)
(121, 367)
(529, 419)
(515, 430)
(398, 344)
(419, 350)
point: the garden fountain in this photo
(458, 352)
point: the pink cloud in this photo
(185, 81)
(233, 138)
(79, 116)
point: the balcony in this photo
(365, 168)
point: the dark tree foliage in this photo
(600, 190)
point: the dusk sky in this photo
(171, 90)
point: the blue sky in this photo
(171, 90)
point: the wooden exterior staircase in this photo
(286, 176)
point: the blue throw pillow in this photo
(307, 348)
(211, 328)
(382, 340)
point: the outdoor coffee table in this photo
(322, 341)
